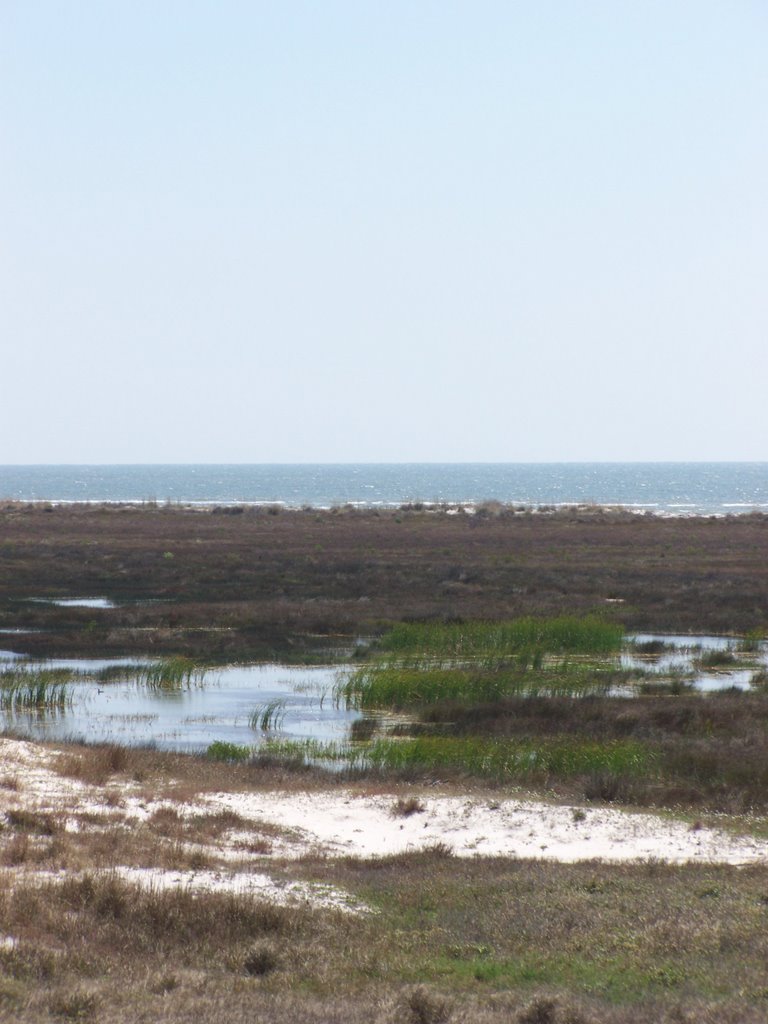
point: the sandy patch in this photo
(245, 884)
(346, 823)
(241, 883)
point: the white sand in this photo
(364, 826)
(348, 823)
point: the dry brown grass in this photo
(405, 806)
(479, 942)
(164, 775)
(251, 583)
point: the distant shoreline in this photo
(669, 489)
(467, 507)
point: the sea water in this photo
(663, 488)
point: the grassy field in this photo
(495, 941)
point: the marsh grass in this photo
(252, 585)
(120, 673)
(493, 640)
(752, 641)
(718, 659)
(35, 689)
(706, 749)
(486, 758)
(389, 684)
(484, 661)
(651, 648)
(268, 717)
(674, 686)
(166, 674)
(221, 750)
(171, 674)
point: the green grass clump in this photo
(501, 759)
(30, 689)
(392, 686)
(220, 750)
(561, 635)
(268, 717)
(396, 686)
(487, 758)
(752, 641)
(484, 661)
(171, 674)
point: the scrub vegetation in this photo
(489, 940)
(263, 582)
(486, 659)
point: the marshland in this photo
(585, 662)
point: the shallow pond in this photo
(682, 655)
(221, 706)
(186, 718)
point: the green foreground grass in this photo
(485, 758)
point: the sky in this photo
(524, 230)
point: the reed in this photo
(564, 634)
(752, 641)
(484, 661)
(717, 659)
(35, 689)
(394, 686)
(121, 673)
(171, 674)
(268, 717)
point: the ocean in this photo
(662, 488)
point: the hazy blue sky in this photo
(383, 231)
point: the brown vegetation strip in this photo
(246, 583)
(455, 941)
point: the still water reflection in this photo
(187, 718)
(222, 706)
